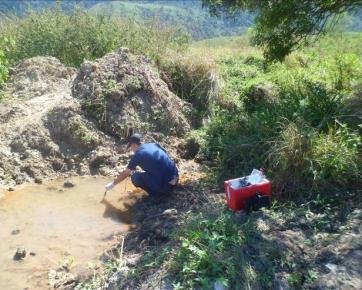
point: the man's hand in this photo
(109, 186)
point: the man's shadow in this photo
(116, 214)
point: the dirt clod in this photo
(15, 232)
(19, 254)
(68, 184)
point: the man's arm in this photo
(123, 175)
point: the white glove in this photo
(109, 186)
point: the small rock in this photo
(32, 254)
(15, 232)
(114, 281)
(331, 267)
(19, 254)
(170, 211)
(132, 260)
(38, 180)
(62, 279)
(68, 184)
(281, 284)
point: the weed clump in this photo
(210, 252)
(194, 78)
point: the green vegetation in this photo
(210, 252)
(246, 252)
(289, 118)
(3, 68)
(282, 26)
(187, 14)
(75, 36)
(194, 78)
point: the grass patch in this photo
(216, 249)
(194, 78)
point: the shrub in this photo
(289, 158)
(335, 158)
(216, 247)
(305, 161)
(202, 256)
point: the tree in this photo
(283, 25)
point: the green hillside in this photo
(190, 15)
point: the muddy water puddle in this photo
(56, 224)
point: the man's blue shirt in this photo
(154, 160)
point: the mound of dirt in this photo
(43, 131)
(125, 94)
(36, 76)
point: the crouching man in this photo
(159, 175)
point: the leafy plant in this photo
(207, 252)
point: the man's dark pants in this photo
(147, 183)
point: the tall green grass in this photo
(194, 78)
(75, 36)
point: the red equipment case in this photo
(236, 197)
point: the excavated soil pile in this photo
(124, 93)
(43, 132)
